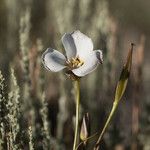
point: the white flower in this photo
(80, 57)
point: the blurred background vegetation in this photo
(37, 107)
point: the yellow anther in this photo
(74, 63)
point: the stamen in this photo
(74, 63)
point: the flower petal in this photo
(69, 45)
(53, 60)
(84, 44)
(90, 64)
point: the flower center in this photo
(74, 63)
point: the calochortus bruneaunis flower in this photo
(80, 57)
(80, 60)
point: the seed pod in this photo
(122, 83)
(85, 128)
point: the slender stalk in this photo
(120, 89)
(106, 125)
(77, 86)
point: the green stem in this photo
(77, 86)
(106, 125)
